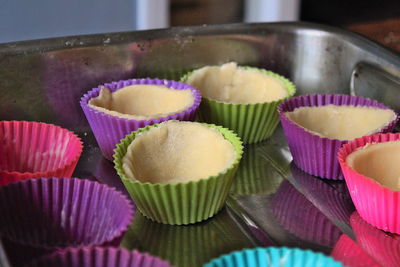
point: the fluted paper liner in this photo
(34, 149)
(375, 203)
(273, 257)
(180, 203)
(98, 257)
(288, 205)
(109, 130)
(52, 213)
(351, 254)
(252, 122)
(314, 154)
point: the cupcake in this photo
(98, 257)
(47, 214)
(34, 149)
(316, 126)
(273, 257)
(372, 172)
(178, 172)
(115, 109)
(243, 99)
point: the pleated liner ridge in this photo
(52, 213)
(273, 257)
(34, 149)
(109, 130)
(252, 122)
(98, 257)
(375, 203)
(314, 154)
(180, 203)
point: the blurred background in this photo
(26, 19)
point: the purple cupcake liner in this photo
(314, 154)
(301, 218)
(109, 130)
(48, 214)
(98, 257)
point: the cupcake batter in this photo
(378, 161)
(232, 84)
(177, 151)
(142, 102)
(341, 122)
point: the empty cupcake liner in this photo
(333, 200)
(301, 218)
(109, 130)
(98, 257)
(314, 154)
(375, 203)
(273, 257)
(180, 203)
(34, 149)
(383, 247)
(52, 213)
(252, 122)
(350, 254)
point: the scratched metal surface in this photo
(272, 202)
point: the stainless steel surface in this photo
(43, 80)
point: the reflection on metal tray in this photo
(272, 202)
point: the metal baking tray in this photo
(272, 202)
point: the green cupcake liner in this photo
(180, 203)
(252, 122)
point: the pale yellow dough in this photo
(232, 84)
(141, 102)
(379, 161)
(177, 151)
(341, 122)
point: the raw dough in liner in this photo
(379, 161)
(177, 151)
(232, 84)
(142, 102)
(341, 122)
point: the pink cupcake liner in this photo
(375, 203)
(33, 149)
(98, 257)
(109, 130)
(350, 254)
(383, 247)
(314, 154)
(46, 214)
(301, 218)
(332, 200)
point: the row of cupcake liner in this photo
(180, 203)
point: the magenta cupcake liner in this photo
(376, 203)
(314, 154)
(98, 257)
(332, 200)
(48, 214)
(301, 218)
(350, 254)
(383, 247)
(34, 149)
(109, 130)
